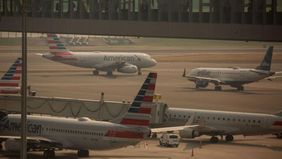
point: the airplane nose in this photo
(154, 62)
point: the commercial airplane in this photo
(9, 83)
(235, 77)
(124, 62)
(83, 134)
(220, 123)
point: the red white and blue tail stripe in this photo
(139, 113)
(56, 46)
(9, 83)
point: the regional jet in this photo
(124, 62)
(220, 123)
(235, 77)
(49, 133)
(9, 82)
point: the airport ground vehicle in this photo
(169, 139)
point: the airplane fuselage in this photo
(100, 60)
(226, 122)
(81, 133)
(231, 76)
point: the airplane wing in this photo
(173, 128)
(38, 143)
(123, 67)
(273, 77)
(212, 80)
(110, 65)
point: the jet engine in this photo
(128, 69)
(189, 133)
(12, 145)
(202, 83)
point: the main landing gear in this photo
(218, 88)
(229, 138)
(139, 71)
(50, 153)
(83, 153)
(95, 72)
(214, 139)
(240, 88)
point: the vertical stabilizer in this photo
(139, 113)
(266, 62)
(9, 83)
(56, 46)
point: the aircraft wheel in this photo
(218, 88)
(139, 71)
(1, 147)
(279, 135)
(214, 139)
(95, 72)
(240, 88)
(229, 137)
(49, 153)
(109, 73)
(197, 86)
(83, 153)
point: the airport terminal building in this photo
(235, 19)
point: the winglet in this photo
(139, 113)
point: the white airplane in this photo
(235, 77)
(220, 123)
(124, 62)
(83, 134)
(9, 82)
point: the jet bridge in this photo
(70, 107)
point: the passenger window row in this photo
(74, 131)
(218, 118)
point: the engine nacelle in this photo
(189, 133)
(202, 83)
(128, 69)
(12, 145)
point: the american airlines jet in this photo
(124, 62)
(235, 77)
(49, 133)
(220, 123)
(9, 83)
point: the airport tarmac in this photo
(54, 79)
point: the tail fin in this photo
(266, 62)
(9, 83)
(14, 72)
(139, 113)
(56, 46)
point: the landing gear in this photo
(218, 88)
(95, 72)
(240, 88)
(109, 73)
(229, 138)
(83, 153)
(279, 135)
(49, 153)
(139, 71)
(214, 139)
(197, 86)
(1, 146)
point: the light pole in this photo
(24, 84)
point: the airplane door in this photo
(158, 115)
